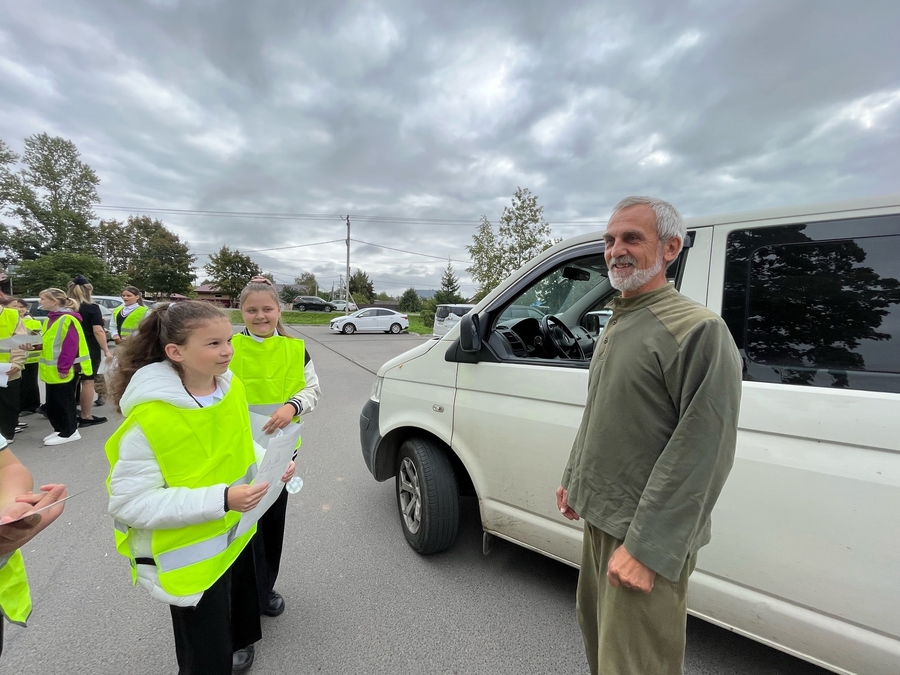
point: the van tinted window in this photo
(442, 312)
(817, 304)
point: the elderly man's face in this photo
(636, 258)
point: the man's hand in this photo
(562, 503)
(629, 572)
(289, 472)
(279, 419)
(242, 498)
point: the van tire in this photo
(396, 328)
(427, 496)
(349, 329)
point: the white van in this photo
(805, 553)
(447, 316)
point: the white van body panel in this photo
(813, 568)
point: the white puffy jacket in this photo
(138, 494)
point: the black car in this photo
(312, 302)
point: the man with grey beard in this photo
(654, 448)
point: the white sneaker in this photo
(53, 435)
(59, 440)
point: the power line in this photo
(427, 255)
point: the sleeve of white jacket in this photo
(139, 496)
(305, 401)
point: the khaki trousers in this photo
(627, 632)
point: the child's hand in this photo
(279, 419)
(21, 532)
(289, 473)
(242, 498)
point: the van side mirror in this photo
(469, 333)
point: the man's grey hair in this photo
(669, 222)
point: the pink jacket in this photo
(70, 342)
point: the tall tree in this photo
(307, 283)
(52, 197)
(230, 271)
(522, 234)
(55, 270)
(448, 293)
(288, 293)
(361, 287)
(410, 301)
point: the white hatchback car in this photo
(371, 319)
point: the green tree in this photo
(52, 198)
(230, 271)
(448, 293)
(384, 297)
(522, 234)
(55, 270)
(307, 283)
(361, 287)
(410, 301)
(288, 293)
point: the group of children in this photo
(182, 466)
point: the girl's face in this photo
(261, 313)
(129, 298)
(22, 308)
(207, 351)
(48, 303)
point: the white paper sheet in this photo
(279, 448)
(4, 373)
(16, 341)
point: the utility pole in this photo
(347, 295)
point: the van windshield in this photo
(561, 289)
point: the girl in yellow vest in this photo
(10, 324)
(126, 317)
(180, 471)
(30, 393)
(17, 500)
(281, 382)
(63, 350)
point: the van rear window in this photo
(442, 312)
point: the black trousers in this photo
(9, 408)
(30, 395)
(225, 620)
(60, 408)
(267, 544)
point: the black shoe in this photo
(91, 422)
(99, 402)
(242, 659)
(275, 606)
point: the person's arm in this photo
(114, 327)
(15, 479)
(100, 334)
(69, 351)
(17, 356)
(300, 403)
(704, 382)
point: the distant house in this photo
(211, 293)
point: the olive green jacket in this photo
(658, 434)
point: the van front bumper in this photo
(369, 436)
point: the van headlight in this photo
(375, 394)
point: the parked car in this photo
(447, 316)
(339, 305)
(312, 302)
(37, 312)
(371, 319)
(110, 301)
(804, 553)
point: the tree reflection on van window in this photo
(808, 308)
(564, 286)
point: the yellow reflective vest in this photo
(52, 348)
(131, 321)
(9, 320)
(271, 370)
(34, 327)
(15, 596)
(195, 448)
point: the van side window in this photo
(817, 304)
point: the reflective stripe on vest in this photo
(9, 320)
(15, 596)
(195, 448)
(54, 337)
(131, 320)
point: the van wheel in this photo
(396, 328)
(349, 329)
(427, 496)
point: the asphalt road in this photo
(359, 600)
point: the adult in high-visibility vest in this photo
(10, 324)
(17, 528)
(127, 317)
(30, 393)
(63, 350)
(281, 383)
(181, 471)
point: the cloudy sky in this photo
(405, 114)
